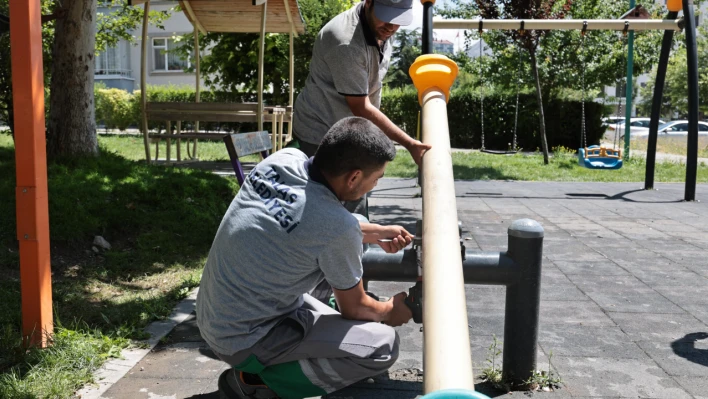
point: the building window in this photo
(164, 59)
(110, 61)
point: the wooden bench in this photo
(211, 112)
(242, 144)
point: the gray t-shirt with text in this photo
(346, 61)
(282, 234)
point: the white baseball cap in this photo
(396, 12)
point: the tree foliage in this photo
(406, 48)
(111, 27)
(6, 108)
(121, 20)
(554, 61)
(675, 95)
(560, 54)
(528, 40)
(232, 62)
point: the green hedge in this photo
(119, 109)
(114, 108)
(562, 117)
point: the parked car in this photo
(637, 126)
(612, 120)
(680, 128)
(674, 128)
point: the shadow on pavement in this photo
(580, 196)
(686, 348)
(406, 384)
(408, 389)
(210, 395)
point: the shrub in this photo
(114, 108)
(562, 117)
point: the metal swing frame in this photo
(668, 25)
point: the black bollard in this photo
(523, 299)
(519, 269)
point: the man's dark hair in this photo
(353, 143)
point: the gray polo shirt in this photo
(346, 61)
(284, 232)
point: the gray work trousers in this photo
(332, 352)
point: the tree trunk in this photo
(539, 98)
(72, 124)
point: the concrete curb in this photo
(114, 369)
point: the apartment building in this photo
(119, 66)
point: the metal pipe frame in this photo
(692, 69)
(197, 86)
(628, 89)
(427, 33)
(143, 82)
(261, 51)
(656, 104)
(519, 269)
(560, 24)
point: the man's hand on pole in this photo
(417, 149)
(361, 106)
(400, 313)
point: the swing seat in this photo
(599, 157)
(500, 152)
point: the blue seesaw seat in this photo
(599, 157)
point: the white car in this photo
(637, 127)
(680, 128)
(612, 120)
(675, 128)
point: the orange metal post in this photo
(31, 161)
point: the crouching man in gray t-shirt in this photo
(284, 233)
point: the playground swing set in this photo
(591, 157)
(601, 156)
(598, 156)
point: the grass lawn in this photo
(563, 166)
(467, 166)
(160, 222)
(672, 145)
(132, 147)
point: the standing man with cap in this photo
(350, 58)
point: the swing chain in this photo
(615, 142)
(481, 87)
(518, 83)
(582, 100)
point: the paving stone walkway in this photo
(624, 308)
